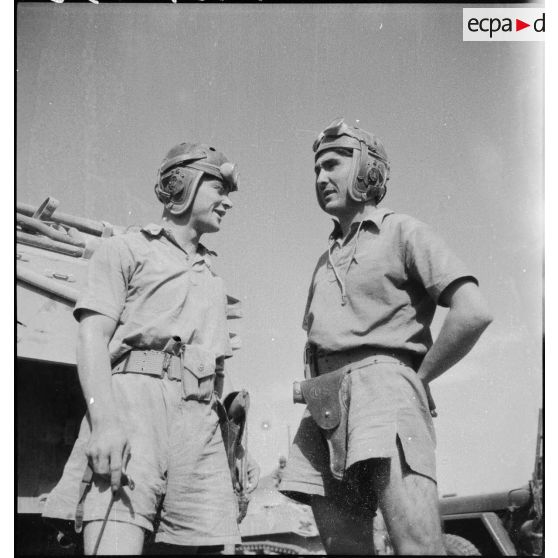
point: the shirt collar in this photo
(156, 230)
(376, 217)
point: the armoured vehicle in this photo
(507, 523)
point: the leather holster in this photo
(329, 405)
(232, 413)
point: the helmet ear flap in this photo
(375, 180)
(373, 177)
(171, 185)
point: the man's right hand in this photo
(108, 451)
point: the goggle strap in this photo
(182, 159)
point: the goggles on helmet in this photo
(176, 185)
(370, 170)
(335, 129)
(339, 135)
(227, 172)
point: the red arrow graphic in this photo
(519, 25)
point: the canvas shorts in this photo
(388, 404)
(178, 464)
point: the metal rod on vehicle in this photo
(46, 284)
(49, 244)
(35, 225)
(83, 224)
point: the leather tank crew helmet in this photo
(370, 168)
(180, 173)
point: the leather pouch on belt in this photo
(198, 373)
(324, 399)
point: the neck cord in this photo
(340, 280)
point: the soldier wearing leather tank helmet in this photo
(153, 340)
(366, 439)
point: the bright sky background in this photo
(105, 90)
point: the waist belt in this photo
(327, 361)
(152, 363)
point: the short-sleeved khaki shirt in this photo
(145, 282)
(398, 271)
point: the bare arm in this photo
(108, 446)
(466, 320)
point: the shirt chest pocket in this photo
(198, 373)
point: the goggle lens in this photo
(229, 172)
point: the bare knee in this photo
(415, 534)
(115, 538)
(341, 531)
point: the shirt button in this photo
(201, 367)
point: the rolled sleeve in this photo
(107, 280)
(430, 261)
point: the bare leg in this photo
(118, 538)
(409, 504)
(343, 531)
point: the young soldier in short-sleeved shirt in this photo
(370, 305)
(152, 342)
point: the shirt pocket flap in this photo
(199, 362)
